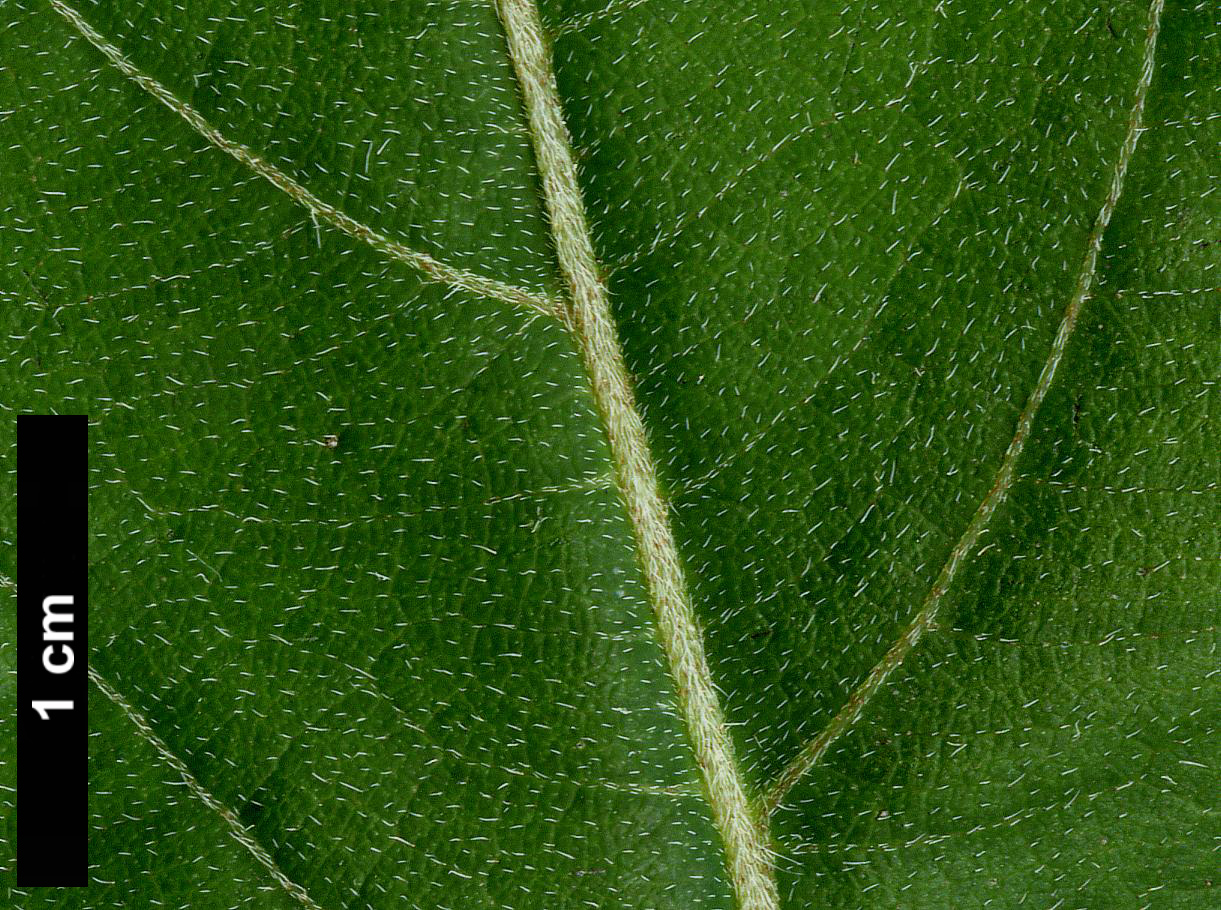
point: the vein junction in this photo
(432, 269)
(742, 829)
(741, 822)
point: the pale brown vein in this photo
(927, 616)
(432, 269)
(238, 831)
(743, 831)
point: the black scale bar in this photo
(52, 650)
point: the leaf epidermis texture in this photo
(361, 562)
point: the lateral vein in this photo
(238, 831)
(432, 269)
(925, 619)
(742, 829)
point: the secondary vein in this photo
(742, 829)
(238, 831)
(432, 269)
(925, 619)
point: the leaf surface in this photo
(915, 307)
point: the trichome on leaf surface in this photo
(629, 453)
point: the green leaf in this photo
(674, 456)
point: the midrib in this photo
(743, 824)
(588, 317)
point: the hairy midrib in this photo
(587, 317)
(586, 314)
(742, 827)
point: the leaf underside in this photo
(369, 621)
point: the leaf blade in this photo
(840, 242)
